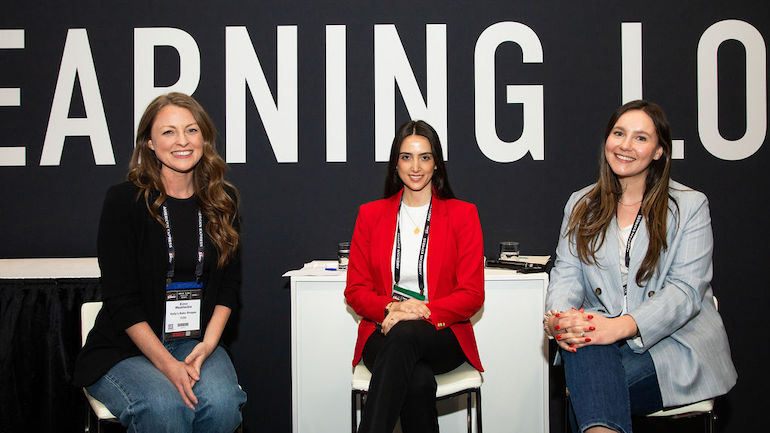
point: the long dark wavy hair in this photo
(440, 180)
(219, 207)
(593, 213)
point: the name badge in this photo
(401, 294)
(183, 310)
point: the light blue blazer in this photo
(674, 310)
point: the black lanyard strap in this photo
(634, 228)
(172, 252)
(423, 247)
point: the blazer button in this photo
(650, 293)
(598, 291)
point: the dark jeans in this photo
(403, 364)
(609, 383)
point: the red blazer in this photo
(455, 269)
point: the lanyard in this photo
(423, 246)
(171, 252)
(634, 228)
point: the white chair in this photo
(703, 408)
(462, 380)
(88, 312)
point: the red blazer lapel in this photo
(385, 233)
(437, 243)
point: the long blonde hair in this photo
(216, 198)
(593, 213)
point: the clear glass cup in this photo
(343, 254)
(509, 250)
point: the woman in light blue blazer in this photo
(630, 301)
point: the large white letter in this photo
(77, 62)
(279, 115)
(631, 61)
(631, 71)
(11, 97)
(708, 90)
(336, 101)
(145, 41)
(391, 66)
(531, 96)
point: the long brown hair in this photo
(593, 213)
(211, 189)
(440, 179)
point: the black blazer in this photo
(132, 258)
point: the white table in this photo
(508, 333)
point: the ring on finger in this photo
(582, 334)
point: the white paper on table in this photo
(538, 260)
(316, 267)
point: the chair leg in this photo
(469, 417)
(478, 410)
(353, 415)
(87, 427)
(566, 420)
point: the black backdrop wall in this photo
(517, 152)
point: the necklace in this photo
(416, 227)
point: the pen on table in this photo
(328, 268)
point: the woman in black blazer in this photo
(168, 248)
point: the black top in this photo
(133, 260)
(183, 216)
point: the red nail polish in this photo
(570, 345)
(557, 314)
(574, 350)
(558, 337)
(581, 309)
(573, 309)
(590, 316)
(591, 328)
(587, 339)
(557, 327)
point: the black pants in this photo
(403, 364)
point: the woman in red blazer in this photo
(415, 276)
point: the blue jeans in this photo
(145, 400)
(609, 383)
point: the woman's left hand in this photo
(420, 308)
(197, 356)
(395, 317)
(578, 328)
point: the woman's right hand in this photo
(412, 306)
(579, 329)
(183, 377)
(572, 329)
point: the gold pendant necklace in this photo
(416, 227)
